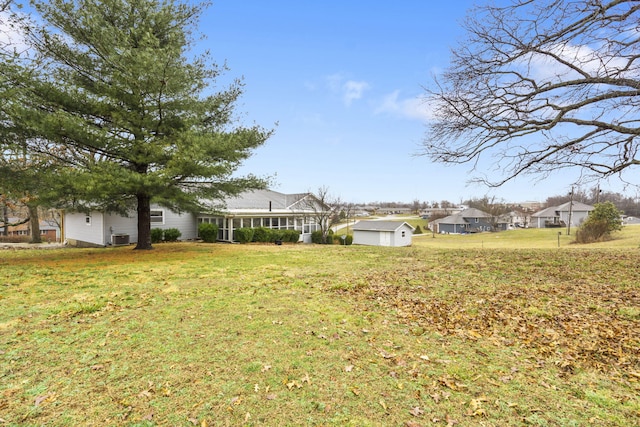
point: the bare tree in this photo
(326, 210)
(496, 209)
(542, 85)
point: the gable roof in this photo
(461, 217)
(263, 199)
(577, 207)
(380, 225)
(553, 211)
(455, 219)
(473, 213)
(545, 213)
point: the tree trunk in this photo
(5, 220)
(34, 223)
(144, 222)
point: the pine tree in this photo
(121, 102)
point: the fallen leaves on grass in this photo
(40, 400)
(584, 319)
(293, 384)
(416, 411)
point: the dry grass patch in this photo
(254, 335)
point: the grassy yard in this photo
(449, 332)
(530, 238)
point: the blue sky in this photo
(343, 80)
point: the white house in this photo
(573, 213)
(258, 208)
(270, 209)
(382, 233)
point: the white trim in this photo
(162, 216)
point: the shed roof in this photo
(380, 225)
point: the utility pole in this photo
(570, 212)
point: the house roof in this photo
(455, 219)
(545, 213)
(260, 199)
(380, 225)
(552, 211)
(473, 213)
(461, 217)
(577, 207)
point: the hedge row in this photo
(266, 235)
(209, 234)
(169, 235)
(332, 239)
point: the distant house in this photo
(259, 208)
(382, 233)
(558, 216)
(469, 220)
(49, 230)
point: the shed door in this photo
(385, 238)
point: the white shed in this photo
(382, 233)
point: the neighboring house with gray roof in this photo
(382, 233)
(469, 220)
(558, 216)
(258, 208)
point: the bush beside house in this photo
(208, 232)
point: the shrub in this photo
(243, 235)
(156, 235)
(316, 237)
(208, 232)
(348, 240)
(600, 223)
(172, 234)
(262, 235)
(592, 231)
(418, 230)
(291, 236)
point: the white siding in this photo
(383, 237)
(102, 226)
(116, 224)
(76, 227)
(366, 237)
(399, 240)
(185, 222)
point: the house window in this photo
(87, 219)
(477, 220)
(403, 233)
(157, 217)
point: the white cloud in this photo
(410, 108)
(349, 90)
(586, 58)
(353, 90)
(10, 36)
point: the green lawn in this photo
(530, 238)
(474, 330)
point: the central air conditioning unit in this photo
(119, 239)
